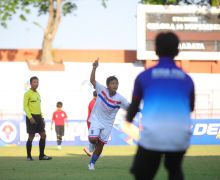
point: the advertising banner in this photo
(205, 132)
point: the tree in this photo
(55, 10)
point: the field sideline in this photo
(201, 163)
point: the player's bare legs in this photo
(97, 152)
(98, 148)
(93, 140)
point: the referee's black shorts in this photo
(35, 128)
(59, 130)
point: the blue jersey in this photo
(166, 91)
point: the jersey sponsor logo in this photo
(211, 129)
(8, 132)
(167, 73)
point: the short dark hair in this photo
(94, 93)
(111, 78)
(33, 78)
(167, 44)
(59, 104)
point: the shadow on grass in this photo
(202, 167)
(74, 166)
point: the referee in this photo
(34, 120)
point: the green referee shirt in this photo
(32, 103)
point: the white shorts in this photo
(100, 131)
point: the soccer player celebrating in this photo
(34, 120)
(102, 117)
(59, 118)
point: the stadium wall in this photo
(204, 132)
(72, 87)
(110, 56)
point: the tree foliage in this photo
(8, 8)
(55, 10)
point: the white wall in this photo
(71, 86)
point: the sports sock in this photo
(91, 147)
(29, 147)
(94, 158)
(59, 140)
(42, 146)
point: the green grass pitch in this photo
(200, 163)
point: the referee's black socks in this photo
(42, 146)
(29, 147)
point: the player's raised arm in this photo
(92, 76)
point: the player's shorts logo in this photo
(8, 132)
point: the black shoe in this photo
(45, 157)
(30, 159)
